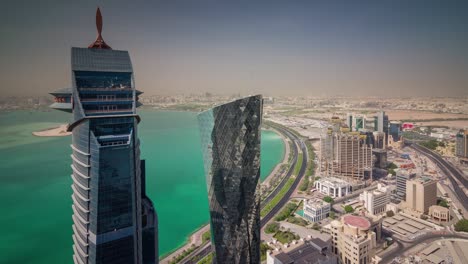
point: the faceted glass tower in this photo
(230, 136)
(113, 219)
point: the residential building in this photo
(421, 193)
(333, 187)
(230, 139)
(375, 201)
(353, 239)
(114, 221)
(313, 251)
(316, 210)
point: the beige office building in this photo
(354, 240)
(439, 213)
(421, 193)
(375, 201)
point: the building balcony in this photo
(110, 100)
(108, 111)
(105, 90)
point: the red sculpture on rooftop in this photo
(99, 43)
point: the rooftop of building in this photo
(316, 203)
(333, 181)
(439, 208)
(356, 221)
(424, 180)
(304, 252)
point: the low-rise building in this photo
(314, 251)
(375, 201)
(439, 213)
(316, 210)
(332, 186)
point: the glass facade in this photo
(114, 220)
(230, 136)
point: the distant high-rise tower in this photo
(230, 136)
(461, 145)
(381, 124)
(113, 219)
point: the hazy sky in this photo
(310, 48)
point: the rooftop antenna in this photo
(99, 43)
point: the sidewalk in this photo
(195, 239)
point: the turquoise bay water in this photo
(35, 202)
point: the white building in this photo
(333, 187)
(316, 210)
(375, 201)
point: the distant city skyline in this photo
(397, 48)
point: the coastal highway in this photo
(206, 249)
(449, 170)
(291, 169)
(301, 173)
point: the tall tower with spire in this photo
(114, 221)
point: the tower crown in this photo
(99, 43)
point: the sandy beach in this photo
(53, 132)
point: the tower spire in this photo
(99, 43)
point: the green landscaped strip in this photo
(297, 168)
(206, 260)
(277, 198)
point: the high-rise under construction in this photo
(345, 154)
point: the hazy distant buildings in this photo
(380, 156)
(113, 219)
(230, 135)
(381, 124)
(355, 122)
(461, 145)
(395, 130)
(379, 140)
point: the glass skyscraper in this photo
(230, 136)
(113, 219)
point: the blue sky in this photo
(310, 48)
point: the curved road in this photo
(206, 249)
(449, 170)
(290, 171)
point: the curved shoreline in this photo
(59, 131)
(286, 151)
(195, 237)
